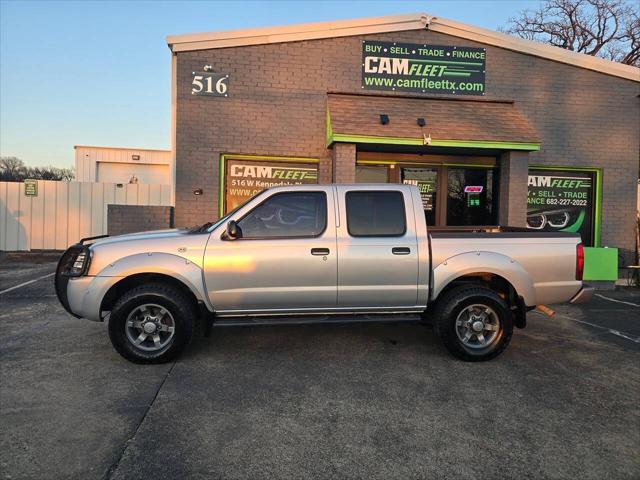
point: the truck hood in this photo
(150, 235)
(122, 248)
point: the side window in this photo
(375, 214)
(289, 214)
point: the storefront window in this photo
(371, 174)
(426, 179)
(470, 199)
(245, 177)
(562, 200)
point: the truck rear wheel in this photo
(151, 323)
(474, 323)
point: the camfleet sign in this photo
(424, 68)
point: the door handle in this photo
(320, 251)
(401, 250)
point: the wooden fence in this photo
(64, 212)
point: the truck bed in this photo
(547, 260)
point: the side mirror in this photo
(233, 230)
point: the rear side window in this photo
(375, 214)
(290, 214)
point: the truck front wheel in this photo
(473, 322)
(151, 323)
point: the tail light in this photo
(579, 261)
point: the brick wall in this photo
(277, 106)
(123, 219)
(512, 208)
(344, 161)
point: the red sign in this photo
(473, 189)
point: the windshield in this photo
(211, 226)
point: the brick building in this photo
(493, 129)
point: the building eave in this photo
(102, 147)
(396, 23)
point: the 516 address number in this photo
(210, 84)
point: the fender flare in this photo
(179, 268)
(484, 262)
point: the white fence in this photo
(64, 212)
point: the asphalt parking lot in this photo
(359, 401)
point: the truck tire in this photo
(473, 323)
(152, 323)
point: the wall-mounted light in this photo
(208, 68)
(384, 118)
(421, 122)
(135, 157)
(197, 191)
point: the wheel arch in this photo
(132, 281)
(491, 270)
(164, 268)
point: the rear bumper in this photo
(584, 295)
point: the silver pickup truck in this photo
(313, 252)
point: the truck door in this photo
(285, 259)
(377, 248)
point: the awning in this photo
(453, 123)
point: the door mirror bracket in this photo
(233, 230)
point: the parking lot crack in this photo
(114, 466)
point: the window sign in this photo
(426, 179)
(246, 178)
(561, 201)
(473, 199)
(410, 67)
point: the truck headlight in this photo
(77, 263)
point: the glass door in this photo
(470, 198)
(426, 179)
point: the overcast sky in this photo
(98, 73)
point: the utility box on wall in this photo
(600, 264)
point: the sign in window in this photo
(562, 201)
(246, 178)
(426, 179)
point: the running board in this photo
(315, 320)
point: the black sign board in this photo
(410, 67)
(561, 201)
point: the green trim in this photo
(423, 164)
(329, 140)
(600, 264)
(597, 227)
(265, 158)
(338, 137)
(222, 170)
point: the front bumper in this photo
(584, 295)
(81, 296)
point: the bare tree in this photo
(605, 28)
(12, 169)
